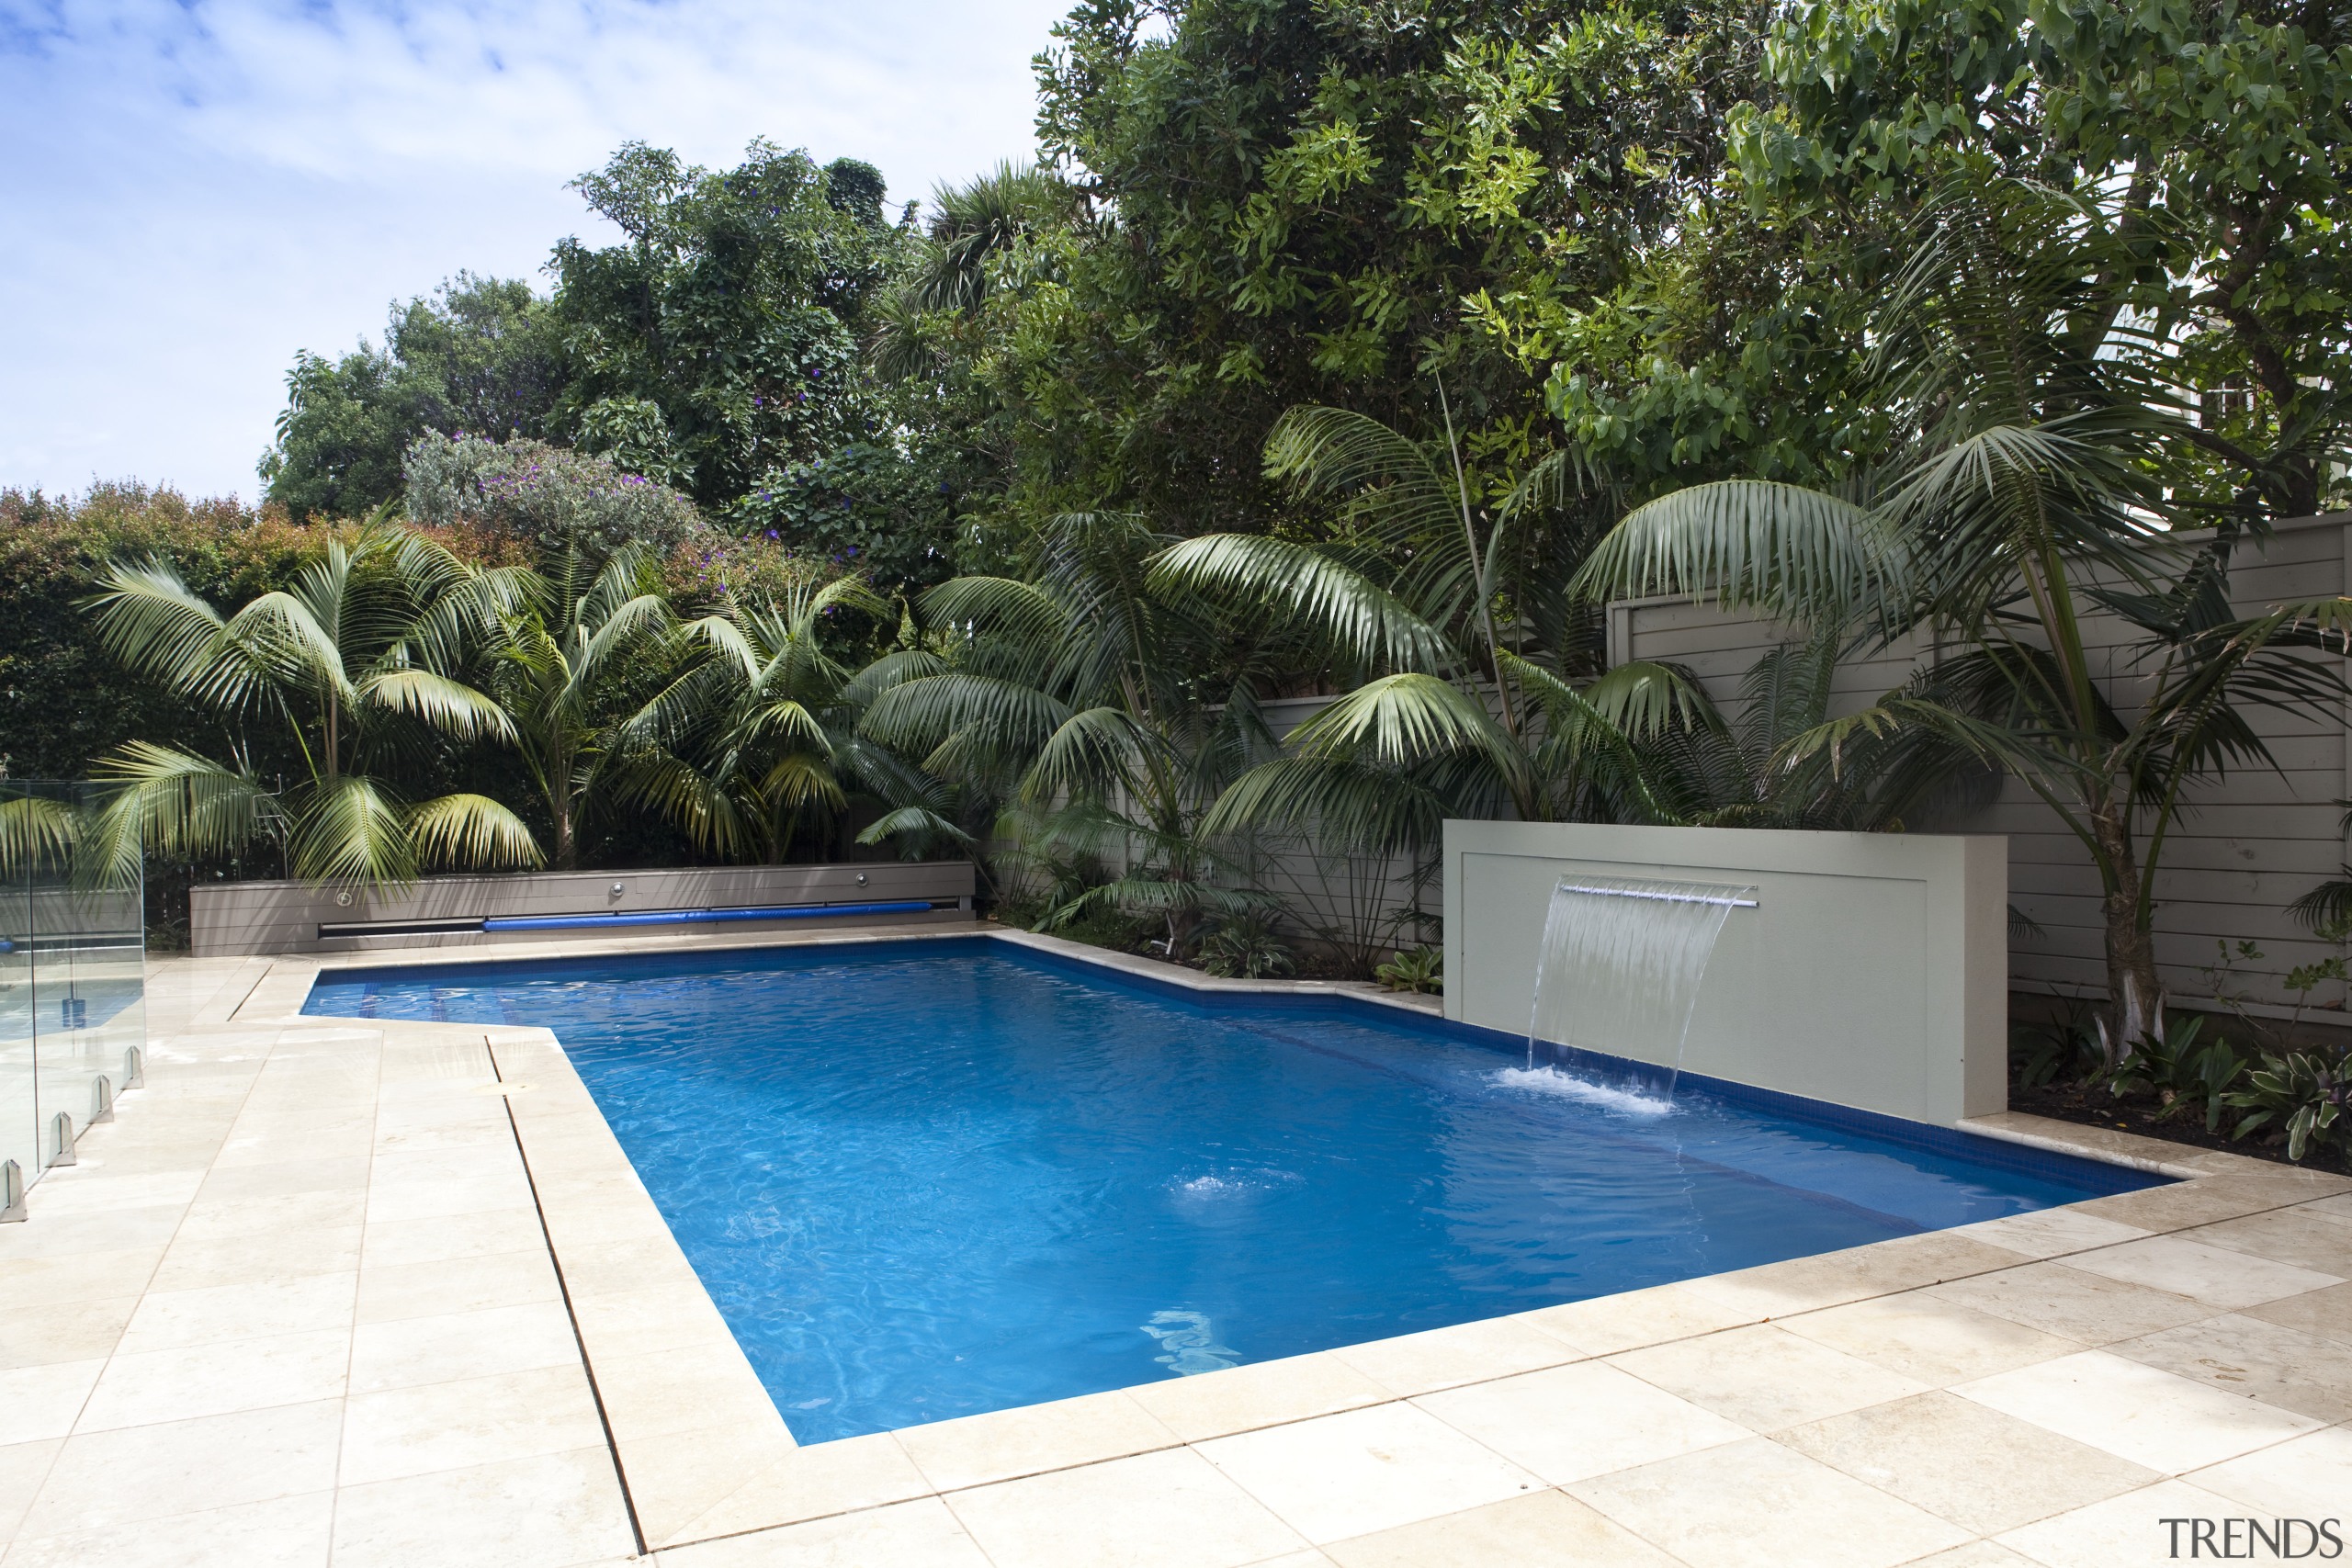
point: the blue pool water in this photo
(925, 1179)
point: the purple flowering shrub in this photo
(549, 495)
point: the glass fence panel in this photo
(72, 1022)
(19, 1105)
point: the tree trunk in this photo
(2135, 997)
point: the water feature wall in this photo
(1621, 963)
(1872, 972)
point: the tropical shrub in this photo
(2301, 1095)
(1246, 946)
(551, 500)
(1421, 969)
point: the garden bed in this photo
(2092, 1106)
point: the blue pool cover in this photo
(928, 1179)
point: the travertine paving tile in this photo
(2325, 1314)
(186, 1467)
(2307, 1477)
(2122, 1532)
(332, 1208)
(1832, 1278)
(921, 1534)
(2304, 1237)
(284, 1532)
(456, 1236)
(972, 1450)
(390, 1292)
(2280, 1366)
(218, 1378)
(417, 1431)
(1606, 1325)
(2089, 1308)
(1927, 1337)
(2212, 1274)
(38, 1335)
(1541, 1529)
(1585, 1419)
(408, 1351)
(2047, 1233)
(195, 1262)
(546, 1511)
(802, 1483)
(288, 1178)
(1243, 1398)
(47, 1281)
(170, 1319)
(1468, 1352)
(44, 1401)
(1170, 1509)
(1759, 1505)
(1966, 1463)
(1766, 1378)
(1975, 1554)
(23, 1468)
(2136, 1412)
(1350, 1474)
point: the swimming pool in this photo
(927, 1178)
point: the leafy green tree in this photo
(1297, 203)
(2217, 130)
(720, 340)
(353, 662)
(481, 357)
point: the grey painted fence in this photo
(2251, 843)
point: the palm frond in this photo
(448, 705)
(1368, 626)
(1400, 720)
(347, 830)
(1791, 553)
(470, 832)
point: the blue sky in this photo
(195, 189)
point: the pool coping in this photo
(704, 1453)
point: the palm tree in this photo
(753, 738)
(1443, 615)
(2033, 494)
(1103, 720)
(564, 661)
(971, 226)
(352, 660)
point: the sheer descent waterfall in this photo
(1621, 964)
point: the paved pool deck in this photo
(362, 1293)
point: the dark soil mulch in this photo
(2097, 1107)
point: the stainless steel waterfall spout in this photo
(1654, 893)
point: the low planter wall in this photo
(237, 918)
(1873, 973)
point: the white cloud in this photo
(197, 190)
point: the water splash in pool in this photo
(1567, 1086)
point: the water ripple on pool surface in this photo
(929, 1181)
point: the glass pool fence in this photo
(73, 979)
